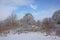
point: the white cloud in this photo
(16, 2)
(33, 6)
(7, 6)
(5, 11)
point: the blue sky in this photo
(38, 8)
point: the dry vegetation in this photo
(2, 29)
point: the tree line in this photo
(28, 23)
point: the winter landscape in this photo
(29, 19)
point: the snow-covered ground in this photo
(30, 36)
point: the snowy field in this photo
(30, 36)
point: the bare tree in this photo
(9, 23)
(47, 25)
(11, 20)
(27, 22)
(28, 19)
(56, 18)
